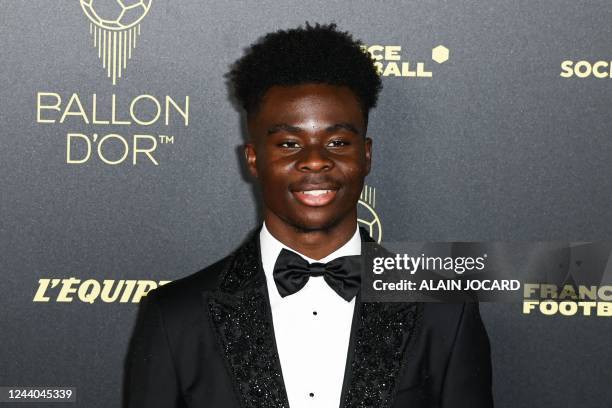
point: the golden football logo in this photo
(367, 217)
(115, 26)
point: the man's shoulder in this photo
(189, 289)
(445, 315)
(186, 294)
(443, 322)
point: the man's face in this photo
(309, 152)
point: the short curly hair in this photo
(310, 54)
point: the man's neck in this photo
(315, 244)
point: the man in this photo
(280, 322)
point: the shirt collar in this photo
(271, 247)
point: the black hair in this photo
(310, 54)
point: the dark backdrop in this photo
(495, 144)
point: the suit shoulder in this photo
(444, 319)
(191, 286)
(443, 312)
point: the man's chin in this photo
(325, 225)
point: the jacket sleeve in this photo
(151, 379)
(467, 382)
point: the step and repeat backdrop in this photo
(121, 165)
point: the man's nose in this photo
(314, 158)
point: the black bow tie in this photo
(343, 275)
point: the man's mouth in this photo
(315, 198)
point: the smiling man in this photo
(280, 322)
(309, 152)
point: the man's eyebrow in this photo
(296, 129)
(283, 126)
(345, 126)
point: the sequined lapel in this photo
(381, 336)
(240, 314)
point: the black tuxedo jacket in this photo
(207, 341)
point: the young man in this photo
(280, 322)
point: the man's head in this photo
(307, 93)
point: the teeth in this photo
(316, 192)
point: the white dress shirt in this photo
(312, 329)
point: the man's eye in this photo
(337, 143)
(289, 144)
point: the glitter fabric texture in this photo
(385, 332)
(245, 332)
(383, 338)
(240, 313)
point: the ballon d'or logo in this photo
(115, 26)
(367, 217)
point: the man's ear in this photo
(368, 154)
(251, 158)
